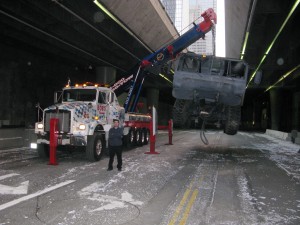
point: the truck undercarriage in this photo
(209, 90)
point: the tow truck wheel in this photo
(129, 139)
(139, 137)
(43, 151)
(95, 147)
(146, 136)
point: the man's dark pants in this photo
(115, 150)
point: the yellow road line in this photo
(201, 179)
(181, 204)
(188, 208)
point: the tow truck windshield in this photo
(85, 95)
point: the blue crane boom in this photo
(165, 54)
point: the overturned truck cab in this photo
(209, 89)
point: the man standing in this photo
(115, 145)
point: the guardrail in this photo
(293, 136)
(16, 137)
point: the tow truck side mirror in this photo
(57, 96)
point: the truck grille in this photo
(64, 117)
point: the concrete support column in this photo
(275, 100)
(296, 111)
(152, 97)
(106, 75)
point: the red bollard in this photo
(152, 140)
(53, 141)
(170, 128)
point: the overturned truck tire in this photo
(181, 114)
(232, 122)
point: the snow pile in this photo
(284, 153)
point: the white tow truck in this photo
(85, 114)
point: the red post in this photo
(152, 140)
(53, 140)
(170, 128)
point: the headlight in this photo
(40, 126)
(81, 127)
(33, 145)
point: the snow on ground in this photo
(142, 179)
(284, 153)
(15, 154)
(139, 182)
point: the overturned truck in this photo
(209, 90)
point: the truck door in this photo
(113, 107)
(102, 106)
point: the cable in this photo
(213, 39)
(202, 133)
(205, 117)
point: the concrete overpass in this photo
(45, 42)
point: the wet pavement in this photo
(248, 178)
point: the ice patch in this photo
(246, 134)
(127, 197)
(91, 192)
(110, 206)
(284, 153)
(71, 212)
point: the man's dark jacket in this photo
(115, 136)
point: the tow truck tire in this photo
(95, 147)
(129, 139)
(146, 136)
(233, 120)
(132, 137)
(43, 151)
(139, 137)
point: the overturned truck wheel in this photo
(181, 114)
(232, 122)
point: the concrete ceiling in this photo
(147, 19)
(268, 16)
(80, 33)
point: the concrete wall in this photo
(16, 138)
(236, 16)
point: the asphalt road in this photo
(249, 178)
